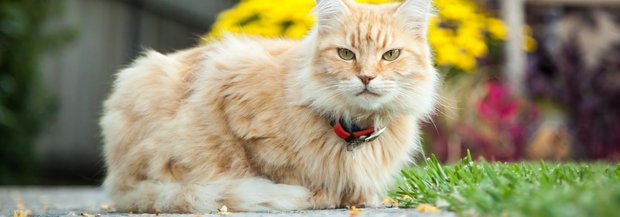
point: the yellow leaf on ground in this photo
(427, 208)
(353, 211)
(390, 203)
(21, 213)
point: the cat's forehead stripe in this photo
(368, 29)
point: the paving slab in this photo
(91, 201)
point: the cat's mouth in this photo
(366, 92)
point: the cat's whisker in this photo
(334, 86)
(429, 118)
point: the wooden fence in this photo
(110, 34)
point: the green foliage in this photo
(24, 102)
(507, 189)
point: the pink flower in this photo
(498, 105)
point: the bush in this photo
(24, 103)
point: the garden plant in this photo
(25, 104)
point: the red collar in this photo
(353, 134)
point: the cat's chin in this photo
(369, 101)
(366, 94)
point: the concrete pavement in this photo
(90, 201)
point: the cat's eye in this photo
(346, 54)
(391, 55)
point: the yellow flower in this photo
(297, 31)
(467, 63)
(497, 29)
(530, 44)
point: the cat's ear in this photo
(416, 14)
(329, 12)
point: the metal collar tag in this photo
(356, 142)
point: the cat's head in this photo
(372, 58)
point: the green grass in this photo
(514, 189)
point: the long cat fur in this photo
(243, 121)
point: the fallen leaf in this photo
(223, 211)
(353, 211)
(390, 203)
(21, 213)
(427, 208)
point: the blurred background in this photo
(522, 79)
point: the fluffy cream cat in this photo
(271, 124)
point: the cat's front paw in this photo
(372, 203)
(368, 200)
(321, 200)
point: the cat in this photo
(259, 124)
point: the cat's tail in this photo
(247, 194)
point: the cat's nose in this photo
(366, 79)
